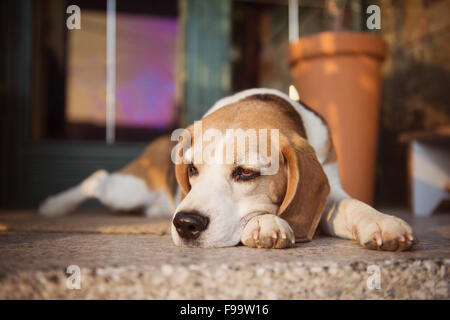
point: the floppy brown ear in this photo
(181, 173)
(181, 168)
(306, 191)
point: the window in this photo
(71, 72)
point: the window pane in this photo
(146, 38)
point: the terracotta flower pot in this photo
(338, 74)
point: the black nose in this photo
(190, 224)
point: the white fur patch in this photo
(118, 191)
(126, 192)
(160, 206)
(121, 191)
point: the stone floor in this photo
(138, 265)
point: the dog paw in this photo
(385, 232)
(53, 206)
(268, 231)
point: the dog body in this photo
(230, 199)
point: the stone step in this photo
(33, 265)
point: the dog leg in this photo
(353, 219)
(117, 191)
(267, 231)
(124, 192)
(160, 207)
(349, 218)
(68, 200)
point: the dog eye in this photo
(192, 170)
(242, 174)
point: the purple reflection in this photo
(146, 51)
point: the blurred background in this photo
(174, 59)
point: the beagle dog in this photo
(243, 194)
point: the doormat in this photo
(79, 222)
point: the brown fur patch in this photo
(155, 166)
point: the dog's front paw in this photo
(268, 231)
(385, 232)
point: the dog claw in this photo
(269, 232)
(378, 239)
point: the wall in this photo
(416, 92)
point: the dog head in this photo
(224, 184)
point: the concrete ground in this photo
(139, 265)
